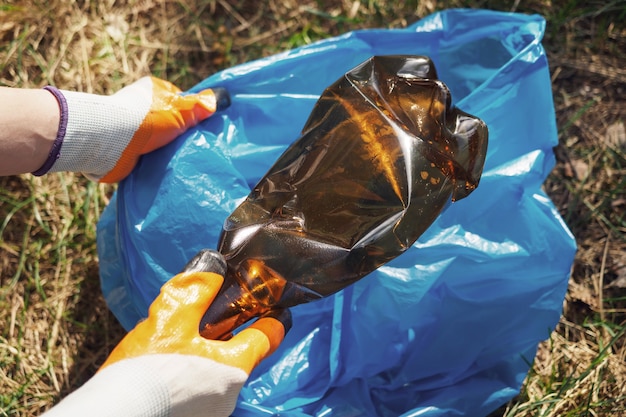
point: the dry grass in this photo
(57, 329)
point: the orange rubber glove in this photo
(104, 136)
(163, 367)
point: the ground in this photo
(58, 329)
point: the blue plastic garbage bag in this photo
(448, 328)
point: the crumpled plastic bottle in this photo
(381, 155)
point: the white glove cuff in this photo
(99, 128)
(124, 389)
(159, 385)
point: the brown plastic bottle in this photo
(380, 157)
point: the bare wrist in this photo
(30, 121)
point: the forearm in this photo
(156, 386)
(128, 390)
(29, 122)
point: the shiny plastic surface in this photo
(378, 160)
(447, 328)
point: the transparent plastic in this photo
(381, 155)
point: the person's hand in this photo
(163, 367)
(104, 136)
(169, 114)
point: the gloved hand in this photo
(104, 136)
(163, 367)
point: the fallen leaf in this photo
(577, 168)
(620, 279)
(116, 27)
(616, 135)
(582, 293)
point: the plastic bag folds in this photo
(447, 328)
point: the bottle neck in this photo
(249, 290)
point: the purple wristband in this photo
(55, 151)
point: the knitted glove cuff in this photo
(156, 385)
(96, 131)
(58, 142)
